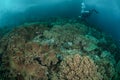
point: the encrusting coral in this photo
(64, 51)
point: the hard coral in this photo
(70, 32)
(19, 53)
(65, 51)
(76, 67)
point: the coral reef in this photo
(76, 67)
(66, 50)
(3, 31)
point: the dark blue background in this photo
(13, 13)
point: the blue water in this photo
(13, 13)
(19, 53)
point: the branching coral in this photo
(67, 51)
(76, 67)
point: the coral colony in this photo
(59, 50)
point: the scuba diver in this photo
(84, 14)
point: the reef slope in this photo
(59, 50)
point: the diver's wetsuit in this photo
(86, 13)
